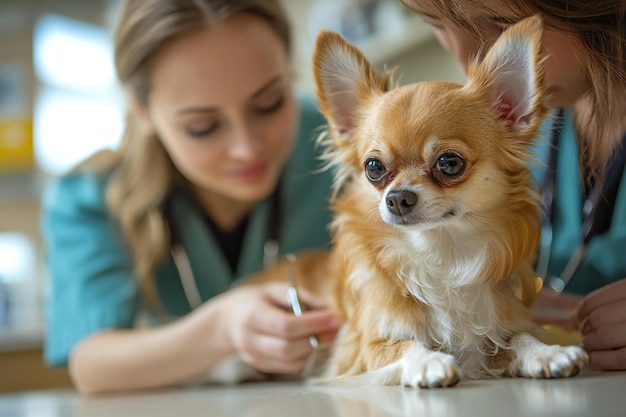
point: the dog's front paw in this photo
(432, 370)
(553, 361)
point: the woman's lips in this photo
(251, 173)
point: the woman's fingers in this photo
(612, 336)
(608, 360)
(284, 356)
(559, 309)
(311, 301)
(275, 355)
(615, 292)
(603, 316)
(282, 322)
(286, 325)
(270, 337)
(548, 298)
(308, 300)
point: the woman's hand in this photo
(266, 333)
(557, 309)
(602, 320)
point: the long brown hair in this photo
(600, 25)
(142, 173)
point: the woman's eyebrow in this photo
(503, 19)
(188, 110)
(201, 109)
(268, 85)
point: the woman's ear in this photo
(140, 109)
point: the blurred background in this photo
(60, 102)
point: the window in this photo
(18, 297)
(78, 106)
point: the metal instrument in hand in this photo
(296, 307)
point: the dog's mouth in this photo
(419, 219)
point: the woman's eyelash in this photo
(503, 21)
(199, 133)
(202, 132)
(272, 107)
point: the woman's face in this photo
(221, 103)
(565, 74)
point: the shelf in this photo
(20, 339)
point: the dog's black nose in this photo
(401, 202)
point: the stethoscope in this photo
(270, 257)
(270, 251)
(558, 282)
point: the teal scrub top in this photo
(605, 260)
(92, 286)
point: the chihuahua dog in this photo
(436, 218)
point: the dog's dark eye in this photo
(374, 170)
(450, 164)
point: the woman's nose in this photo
(245, 142)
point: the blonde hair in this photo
(142, 174)
(600, 26)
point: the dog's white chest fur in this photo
(443, 275)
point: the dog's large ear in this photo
(512, 75)
(344, 79)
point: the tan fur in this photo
(443, 293)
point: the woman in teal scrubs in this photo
(216, 175)
(581, 170)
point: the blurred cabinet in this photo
(25, 370)
(22, 273)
